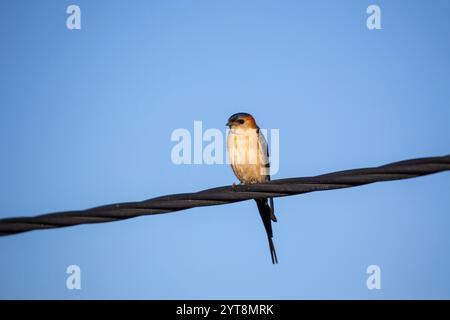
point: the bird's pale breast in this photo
(247, 151)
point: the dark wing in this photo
(264, 149)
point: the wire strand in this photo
(228, 194)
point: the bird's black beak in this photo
(229, 123)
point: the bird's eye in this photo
(240, 121)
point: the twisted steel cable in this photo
(229, 194)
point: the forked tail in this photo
(267, 215)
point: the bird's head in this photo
(242, 120)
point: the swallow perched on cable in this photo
(249, 157)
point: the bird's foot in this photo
(234, 185)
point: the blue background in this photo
(86, 117)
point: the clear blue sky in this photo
(86, 117)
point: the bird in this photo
(249, 158)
